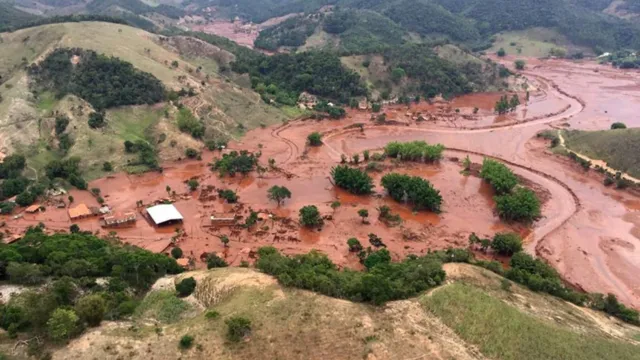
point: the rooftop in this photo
(79, 211)
(163, 213)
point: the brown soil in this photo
(589, 233)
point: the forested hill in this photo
(10, 16)
(472, 22)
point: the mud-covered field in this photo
(588, 232)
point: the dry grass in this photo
(534, 42)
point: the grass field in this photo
(535, 42)
(504, 332)
(618, 148)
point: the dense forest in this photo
(11, 17)
(36, 21)
(102, 81)
(283, 77)
(68, 299)
(135, 6)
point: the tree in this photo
(501, 52)
(7, 207)
(520, 205)
(376, 258)
(519, 64)
(397, 74)
(186, 342)
(176, 252)
(96, 120)
(224, 239)
(237, 328)
(354, 245)
(278, 194)
(193, 184)
(215, 261)
(501, 178)
(353, 180)
(618, 125)
(363, 213)
(91, 309)
(314, 139)
(413, 190)
(70, 198)
(74, 228)
(310, 216)
(25, 198)
(106, 166)
(186, 287)
(506, 243)
(62, 324)
(191, 153)
(228, 195)
(376, 107)
(61, 124)
(335, 205)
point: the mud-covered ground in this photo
(589, 233)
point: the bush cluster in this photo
(353, 180)
(236, 162)
(414, 151)
(501, 178)
(412, 190)
(521, 204)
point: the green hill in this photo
(473, 316)
(616, 147)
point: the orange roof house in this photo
(32, 209)
(79, 212)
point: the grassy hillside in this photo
(294, 324)
(10, 16)
(26, 121)
(618, 148)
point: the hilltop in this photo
(223, 106)
(500, 322)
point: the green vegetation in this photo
(498, 175)
(190, 124)
(506, 243)
(243, 162)
(214, 261)
(314, 139)
(504, 105)
(502, 331)
(186, 287)
(176, 253)
(229, 195)
(412, 190)
(186, 342)
(383, 282)
(414, 151)
(237, 328)
(612, 147)
(310, 216)
(278, 194)
(353, 180)
(618, 125)
(519, 64)
(163, 306)
(520, 205)
(102, 81)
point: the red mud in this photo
(589, 233)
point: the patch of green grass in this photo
(162, 305)
(133, 123)
(618, 148)
(535, 42)
(46, 101)
(294, 111)
(503, 332)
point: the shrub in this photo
(176, 252)
(62, 324)
(314, 139)
(91, 309)
(106, 166)
(237, 328)
(191, 153)
(310, 216)
(215, 261)
(186, 342)
(354, 245)
(186, 287)
(364, 214)
(353, 180)
(229, 195)
(413, 190)
(498, 175)
(521, 205)
(414, 151)
(25, 198)
(96, 120)
(212, 314)
(193, 184)
(376, 258)
(519, 64)
(243, 162)
(501, 52)
(618, 125)
(506, 243)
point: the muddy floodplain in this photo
(589, 233)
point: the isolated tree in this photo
(506, 243)
(519, 64)
(314, 139)
(376, 107)
(193, 184)
(74, 228)
(278, 194)
(354, 245)
(191, 153)
(364, 214)
(186, 287)
(397, 74)
(106, 166)
(224, 239)
(335, 205)
(176, 253)
(91, 309)
(96, 120)
(353, 180)
(501, 52)
(186, 341)
(310, 216)
(618, 125)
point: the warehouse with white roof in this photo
(164, 214)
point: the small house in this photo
(32, 209)
(119, 220)
(80, 212)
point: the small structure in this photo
(80, 212)
(184, 262)
(164, 214)
(104, 210)
(32, 209)
(223, 219)
(118, 220)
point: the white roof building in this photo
(164, 213)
